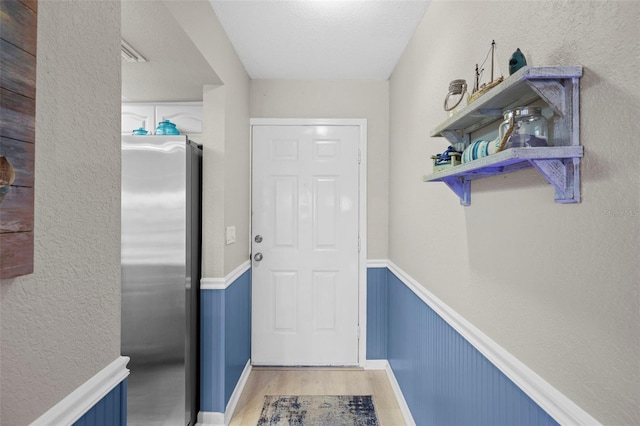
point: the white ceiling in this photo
(309, 39)
(275, 39)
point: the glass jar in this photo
(530, 128)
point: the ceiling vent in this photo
(129, 54)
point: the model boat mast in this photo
(480, 90)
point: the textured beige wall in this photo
(61, 325)
(556, 285)
(213, 190)
(225, 161)
(341, 99)
(237, 164)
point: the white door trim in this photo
(362, 259)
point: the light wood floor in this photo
(316, 381)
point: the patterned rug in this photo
(318, 410)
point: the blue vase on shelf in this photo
(166, 127)
(517, 61)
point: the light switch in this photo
(231, 234)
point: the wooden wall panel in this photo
(22, 159)
(16, 254)
(17, 116)
(31, 4)
(17, 68)
(18, 36)
(19, 24)
(16, 214)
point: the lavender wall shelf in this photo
(559, 88)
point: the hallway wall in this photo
(555, 285)
(225, 140)
(61, 325)
(449, 374)
(341, 99)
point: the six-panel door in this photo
(305, 245)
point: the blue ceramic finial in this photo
(517, 61)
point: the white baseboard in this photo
(206, 418)
(383, 364)
(85, 397)
(376, 364)
(404, 408)
(237, 392)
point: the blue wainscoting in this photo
(444, 379)
(377, 313)
(225, 336)
(237, 331)
(111, 410)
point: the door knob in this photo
(258, 239)
(257, 257)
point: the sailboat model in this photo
(479, 90)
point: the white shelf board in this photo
(505, 161)
(514, 91)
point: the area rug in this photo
(318, 410)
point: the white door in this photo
(305, 245)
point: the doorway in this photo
(308, 228)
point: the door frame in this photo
(362, 205)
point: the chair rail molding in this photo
(81, 400)
(223, 283)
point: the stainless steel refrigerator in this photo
(161, 269)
